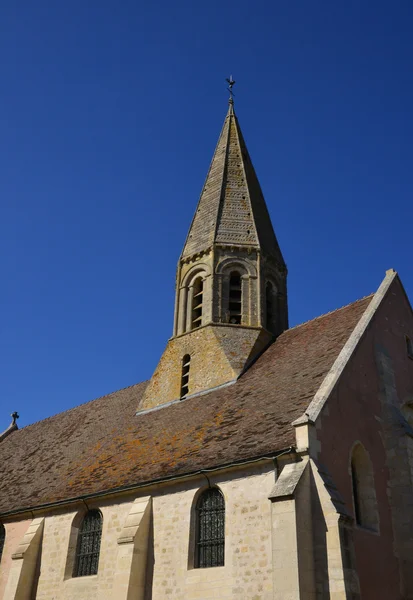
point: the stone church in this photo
(260, 462)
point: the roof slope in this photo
(231, 209)
(102, 445)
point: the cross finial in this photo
(14, 416)
(231, 84)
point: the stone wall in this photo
(218, 355)
(169, 572)
(366, 406)
(14, 534)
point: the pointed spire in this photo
(231, 210)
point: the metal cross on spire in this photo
(231, 83)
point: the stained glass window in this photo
(88, 544)
(2, 538)
(210, 529)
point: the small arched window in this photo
(2, 539)
(210, 529)
(88, 544)
(197, 303)
(235, 298)
(186, 364)
(364, 492)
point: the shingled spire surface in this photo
(232, 210)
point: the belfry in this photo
(231, 291)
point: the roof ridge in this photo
(330, 312)
(68, 410)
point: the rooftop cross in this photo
(231, 84)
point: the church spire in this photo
(231, 291)
(231, 209)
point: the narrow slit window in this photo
(356, 495)
(186, 365)
(210, 529)
(235, 298)
(270, 306)
(197, 303)
(2, 539)
(409, 347)
(88, 544)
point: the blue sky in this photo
(109, 114)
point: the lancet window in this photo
(364, 493)
(186, 364)
(235, 298)
(88, 544)
(210, 529)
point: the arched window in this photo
(2, 538)
(88, 544)
(210, 529)
(270, 306)
(186, 364)
(197, 301)
(235, 298)
(364, 493)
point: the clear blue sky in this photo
(110, 112)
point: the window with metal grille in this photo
(2, 538)
(210, 529)
(235, 298)
(186, 363)
(88, 544)
(197, 302)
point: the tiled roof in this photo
(101, 445)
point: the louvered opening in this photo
(186, 364)
(197, 303)
(235, 298)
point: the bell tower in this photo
(231, 284)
